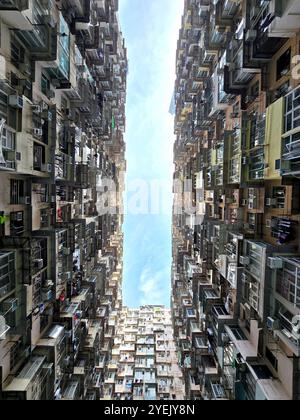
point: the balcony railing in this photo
(288, 280)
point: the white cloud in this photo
(152, 286)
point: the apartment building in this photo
(235, 275)
(63, 70)
(144, 360)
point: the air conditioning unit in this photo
(46, 167)
(244, 260)
(17, 217)
(271, 202)
(10, 305)
(272, 324)
(275, 263)
(37, 132)
(244, 202)
(38, 263)
(15, 101)
(25, 200)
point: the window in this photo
(292, 110)
(284, 64)
(17, 227)
(255, 89)
(17, 53)
(38, 157)
(282, 90)
(16, 191)
(288, 281)
(7, 272)
(45, 84)
(191, 312)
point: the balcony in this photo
(286, 24)
(194, 384)
(58, 70)
(14, 5)
(30, 382)
(283, 328)
(217, 36)
(14, 14)
(291, 137)
(257, 383)
(226, 11)
(209, 367)
(255, 269)
(71, 391)
(261, 32)
(248, 349)
(41, 37)
(82, 12)
(257, 164)
(208, 57)
(217, 391)
(287, 271)
(124, 388)
(233, 156)
(208, 298)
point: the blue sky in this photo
(151, 29)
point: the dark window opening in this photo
(38, 157)
(45, 84)
(17, 227)
(17, 191)
(284, 64)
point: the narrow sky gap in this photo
(151, 30)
